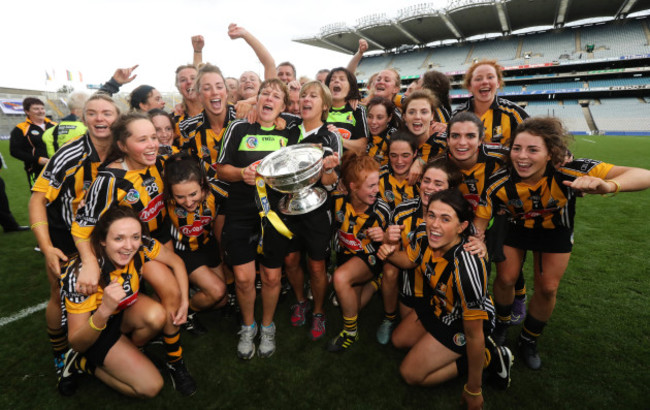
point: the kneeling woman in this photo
(360, 219)
(192, 208)
(460, 314)
(108, 326)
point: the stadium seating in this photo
(619, 82)
(501, 49)
(570, 112)
(621, 114)
(554, 86)
(547, 47)
(616, 39)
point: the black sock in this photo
(532, 330)
(503, 313)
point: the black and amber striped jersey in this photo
(392, 191)
(187, 120)
(499, 121)
(129, 277)
(198, 137)
(190, 231)
(140, 189)
(434, 145)
(351, 123)
(378, 146)
(442, 115)
(458, 282)
(548, 204)
(490, 159)
(410, 215)
(66, 179)
(351, 227)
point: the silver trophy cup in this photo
(293, 170)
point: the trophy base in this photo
(302, 202)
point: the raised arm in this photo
(356, 58)
(198, 42)
(235, 32)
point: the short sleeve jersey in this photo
(490, 159)
(190, 231)
(141, 190)
(458, 281)
(245, 144)
(409, 214)
(392, 191)
(351, 226)
(549, 204)
(499, 121)
(198, 137)
(129, 277)
(65, 180)
(351, 123)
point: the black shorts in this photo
(63, 240)
(494, 238)
(311, 232)
(109, 336)
(163, 233)
(559, 240)
(449, 337)
(207, 255)
(370, 259)
(240, 236)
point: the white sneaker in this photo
(267, 341)
(246, 345)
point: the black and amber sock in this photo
(532, 330)
(83, 365)
(350, 324)
(58, 341)
(503, 313)
(173, 347)
(392, 316)
(520, 286)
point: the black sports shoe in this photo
(194, 326)
(529, 354)
(342, 342)
(501, 361)
(67, 384)
(500, 332)
(181, 378)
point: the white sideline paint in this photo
(592, 141)
(23, 313)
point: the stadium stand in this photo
(501, 49)
(570, 112)
(621, 115)
(619, 82)
(615, 39)
(554, 85)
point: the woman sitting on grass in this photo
(107, 328)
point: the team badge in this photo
(389, 196)
(372, 260)
(361, 235)
(205, 152)
(86, 185)
(260, 182)
(459, 339)
(409, 236)
(340, 216)
(34, 132)
(132, 196)
(251, 143)
(516, 203)
(180, 212)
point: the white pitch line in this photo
(23, 313)
(592, 141)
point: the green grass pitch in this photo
(595, 350)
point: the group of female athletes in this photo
(420, 203)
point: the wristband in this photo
(35, 224)
(611, 194)
(78, 241)
(472, 394)
(99, 329)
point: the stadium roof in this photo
(423, 24)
